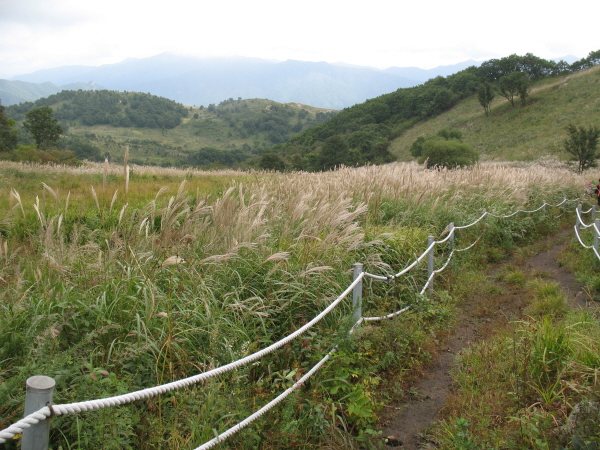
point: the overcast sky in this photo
(37, 34)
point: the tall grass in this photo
(110, 293)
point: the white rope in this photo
(469, 247)
(26, 422)
(150, 392)
(451, 234)
(585, 212)
(417, 261)
(517, 212)
(579, 238)
(389, 316)
(581, 222)
(435, 272)
(244, 423)
(485, 213)
(378, 277)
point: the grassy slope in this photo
(521, 134)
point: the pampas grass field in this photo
(113, 281)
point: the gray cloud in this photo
(47, 13)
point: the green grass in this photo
(518, 134)
(87, 297)
(516, 389)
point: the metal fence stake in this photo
(38, 394)
(430, 240)
(452, 241)
(596, 227)
(357, 293)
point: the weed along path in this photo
(406, 424)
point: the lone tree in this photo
(582, 143)
(8, 133)
(486, 94)
(42, 125)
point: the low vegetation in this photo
(113, 282)
(531, 385)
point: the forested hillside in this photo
(158, 131)
(118, 109)
(363, 133)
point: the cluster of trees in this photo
(44, 129)
(9, 136)
(510, 76)
(39, 122)
(276, 123)
(119, 109)
(210, 157)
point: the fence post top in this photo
(40, 382)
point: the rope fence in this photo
(580, 224)
(35, 417)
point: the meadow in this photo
(114, 281)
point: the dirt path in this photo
(405, 424)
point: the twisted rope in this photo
(150, 392)
(244, 423)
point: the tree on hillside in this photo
(334, 153)
(508, 87)
(8, 133)
(44, 128)
(523, 84)
(515, 83)
(582, 144)
(445, 149)
(271, 161)
(486, 94)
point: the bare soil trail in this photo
(405, 424)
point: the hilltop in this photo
(158, 131)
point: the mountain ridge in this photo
(204, 81)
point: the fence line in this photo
(50, 410)
(579, 224)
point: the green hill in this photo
(557, 94)
(158, 131)
(519, 133)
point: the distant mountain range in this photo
(13, 92)
(202, 81)
(196, 81)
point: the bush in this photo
(451, 154)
